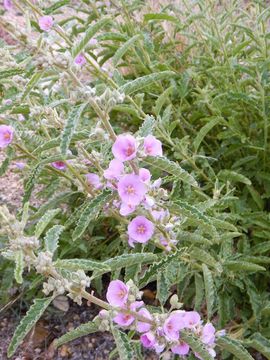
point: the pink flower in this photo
(59, 165)
(126, 209)
(140, 229)
(115, 170)
(143, 326)
(192, 318)
(93, 180)
(6, 135)
(158, 215)
(180, 349)
(131, 189)
(125, 147)
(123, 319)
(7, 5)
(152, 146)
(20, 165)
(80, 60)
(148, 340)
(144, 175)
(173, 324)
(21, 117)
(208, 334)
(93, 42)
(45, 23)
(117, 293)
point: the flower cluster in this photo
(160, 332)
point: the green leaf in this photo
(31, 83)
(44, 221)
(259, 343)
(19, 266)
(121, 51)
(52, 237)
(125, 260)
(196, 345)
(26, 324)
(199, 291)
(162, 99)
(209, 290)
(163, 164)
(123, 344)
(233, 347)
(11, 72)
(233, 176)
(213, 121)
(204, 257)
(56, 6)
(91, 212)
(70, 127)
(160, 16)
(83, 264)
(82, 330)
(91, 31)
(254, 297)
(261, 248)
(236, 266)
(5, 164)
(31, 182)
(147, 126)
(144, 81)
(163, 287)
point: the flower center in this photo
(130, 190)
(121, 294)
(7, 136)
(141, 229)
(129, 150)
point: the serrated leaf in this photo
(204, 257)
(163, 164)
(233, 347)
(199, 291)
(82, 330)
(242, 266)
(147, 126)
(31, 182)
(121, 51)
(26, 324)
(261, 248)
(144, 81)
(44, 221)
(31, 83)
(19, 266)
(233, 176)
(162, 99)
(5, 164)
(56, 6)
(163, 287)
(11, 72)
(125, 260)
(205, 130)
(70, 127)
(196, 345)
(254, 297)
(259, 343)
(160, 16)
(83, 264)
(90, 212)
(91, 31)
(52, 237)
(209, 290)
(123, 344)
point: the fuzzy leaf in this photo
(19, 266)
(146, 127)
(162, 99)
(233, 347)
(83, 264)
(52, 237)
(11, 72)
(163, 164)
(242, 266)
(209, 290)
(144, 81)
(205, 130)
(259, 343)
(70, 127)
(44, 221)
(199, 294)
(26, 324)
(56, 6)
(123, 344)
(125, 260)
(82, 330)
(196, 345)
(90, 213)
(233, 176)
(121, 51)
(160, 16)
(31, 84)
(91, 31)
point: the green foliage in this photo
(26, 324)
(123, 344)
(234, 347)
(45, 220)
(82, 330)
(52, 237)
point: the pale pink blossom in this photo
(180, 349)
(144, 175)
(126, 209)
(125, 147)
(20, 165)
(152, 146)
(142, 326)
(131, 189)
(148, 340)
(59, 165)
(208, 334)
(140, 229)
(115, 170)
(80, 60)
(93, 180)
(6, 135)
(192, 319)
(173, 324)
(117, 293)
(8, 5)
(45, 22)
